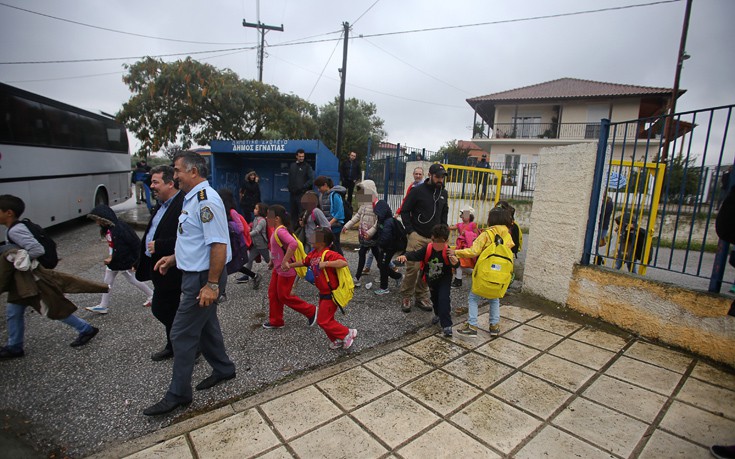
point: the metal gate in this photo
(661, 197)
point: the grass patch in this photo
(682, 245)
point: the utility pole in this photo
(682, 56)
(343, 75)
(261, 28)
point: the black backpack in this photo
(400, 235)
(50, 258)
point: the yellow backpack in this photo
(342, 294)
(493, 271)
(298, 255)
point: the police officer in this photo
(202, 250)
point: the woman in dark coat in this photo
(249, 195)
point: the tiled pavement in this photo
(546, 387)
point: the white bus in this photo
(61, 160)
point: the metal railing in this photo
(655, 202)
(564, 131)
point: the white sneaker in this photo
(382, 291)
(356, 281)
(336, 344)
(351, 335)
(148, 302)
(98, 309)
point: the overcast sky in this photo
(419, 81)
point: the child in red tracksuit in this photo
(339, 335)
(283, 277)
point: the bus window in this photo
(26, 122)
(60, 126)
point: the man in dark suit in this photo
(159, 241)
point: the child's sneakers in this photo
(494, 329)
(434, 320)
(336, 344)
(356, 281)
(351, 335)
(366, 271)
(98, 309)
(447, 332)
(468, 330)
(148, 302)
(382, 291)
(268, 326)
(456, 283)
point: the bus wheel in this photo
(101, 197)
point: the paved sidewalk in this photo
(546, 387)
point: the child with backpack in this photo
(312, 218)
(259, 235)
(515, 231)
(367, 225)
(324, 264)
(392, 239)
(19, 234)
(237, 228)
(492, 248)
(467, 232)
(333, 203)
(283, 246)
(436, 266)
(124, 245)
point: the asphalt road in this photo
(75, 401)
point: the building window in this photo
(526, 127)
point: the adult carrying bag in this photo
(493, 271)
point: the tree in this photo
(683, 178)
(189, 102)
(360, 123)
(171, 151)
(452, 152)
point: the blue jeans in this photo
(494, 309)
(14, 314)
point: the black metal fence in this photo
(656, 197)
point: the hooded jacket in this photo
(125, 242)
(425, 206)
(368, 221)
(387, 239)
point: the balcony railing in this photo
(576, 131)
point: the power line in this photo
(103, 59)
(93, 75)
(123, 32)
(365, 12)
(368, 89)
(416, 68)
(305, 41)
(478, 24)
(508, 21)
(323, 69)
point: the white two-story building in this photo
(513, 126)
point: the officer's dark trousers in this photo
(196, 327)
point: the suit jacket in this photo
(165, 239)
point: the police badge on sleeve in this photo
(206, 214)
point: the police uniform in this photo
(202, 222)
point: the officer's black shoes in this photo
(213, 380)
(164, 407)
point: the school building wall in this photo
(693, 320)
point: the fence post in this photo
(367, 157)
(395, 177)
(596, 189)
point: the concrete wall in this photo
(692, 320)
(558, 219)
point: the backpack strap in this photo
(326, 276)
(429, 249)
